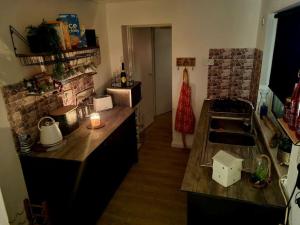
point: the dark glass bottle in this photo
(123, 77)
(294, 107)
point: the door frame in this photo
(129, 59)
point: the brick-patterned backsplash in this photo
(24, 110)
(235, 73)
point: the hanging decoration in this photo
(185, 118)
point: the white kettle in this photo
(49, 133)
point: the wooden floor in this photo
(150, 194)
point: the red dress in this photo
(185, 118)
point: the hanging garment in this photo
(185, 118)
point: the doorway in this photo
(148, 58)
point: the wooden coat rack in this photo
(186, 62)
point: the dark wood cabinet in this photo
(216, 210)
(210, 203)
(78, 191)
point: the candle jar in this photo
(95, 120)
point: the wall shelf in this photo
(67, 56)
(291, 134)
(267, 135)
(46, 93)
(75, 77)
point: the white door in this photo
(143, 71)
(163, 69)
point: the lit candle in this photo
(95, 120)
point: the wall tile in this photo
(223, 53)
(235, 73)
(24, 111)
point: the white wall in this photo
(21, 13)
(197, 25)
(103, 78)
(3, 213)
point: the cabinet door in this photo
(124, 146)
(94, 189)
(104, 171)
(52, 181)
(203, 209)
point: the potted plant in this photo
(44, 39)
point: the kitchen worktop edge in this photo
(83, 141)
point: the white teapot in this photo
(50, 133)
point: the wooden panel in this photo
(186, 62)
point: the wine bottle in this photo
(123, 77)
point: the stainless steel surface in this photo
(231, 138)
(247, 101)
(248, 153)
(234, 133)
(213, 116)
(237, 109)
(230, 125)
(129, 96)
(121, 97)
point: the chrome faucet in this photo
(252, 111)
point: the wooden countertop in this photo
(83, 141)
(198, 179)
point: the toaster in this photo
(67, 118)
(103, 102)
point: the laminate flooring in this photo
(150, 193)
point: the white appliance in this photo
(129, 96)
(50, 133)
(102, 103)
(226, 168)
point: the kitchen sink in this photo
(231, 138)
(230, 125)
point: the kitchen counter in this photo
(78, 180)
(198, 179)
(83, 141)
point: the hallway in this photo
(150, 194)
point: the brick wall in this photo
(235, 73)
(24, 110)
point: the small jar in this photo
(287, 110)
(80, 112)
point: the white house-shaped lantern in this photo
(226, 168)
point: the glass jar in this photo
(263, 109)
